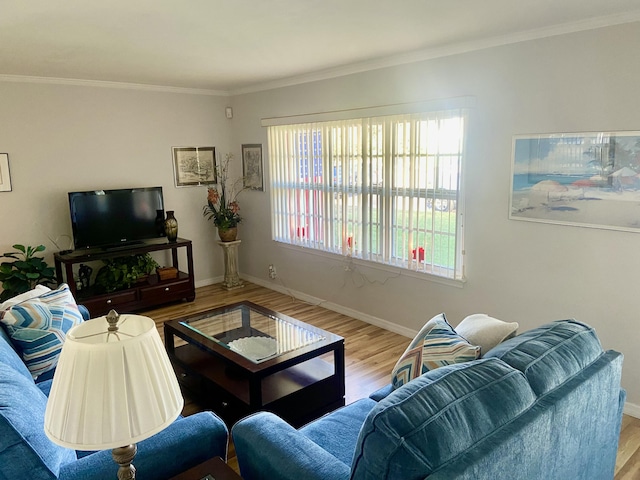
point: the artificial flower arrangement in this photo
(222, 206)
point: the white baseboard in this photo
(632, 409)
(209, 281)
(378, 322)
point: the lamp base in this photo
(123, 456)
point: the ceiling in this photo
(234, 46)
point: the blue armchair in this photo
(26, 452)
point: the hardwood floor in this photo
(628, 460)
(370, 353)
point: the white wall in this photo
(63, 138)
(518, 271)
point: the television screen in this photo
(107, 218)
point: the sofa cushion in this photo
(481, 329)
(427, 422)
(37, 327)
(45, 386)
(436, 344)
(24, 447)
(10, 357)
(337, 432)
(551, 354)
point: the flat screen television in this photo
(113, 218)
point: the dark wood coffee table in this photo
(212, 469)
(243, 358)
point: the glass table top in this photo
(254, 332)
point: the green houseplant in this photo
(24, 272)
(222, 204)
(122, 272)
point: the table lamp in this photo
(113, 387)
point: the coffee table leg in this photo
(338, 358)
(246, 318)
(168, 340)
(255, 392)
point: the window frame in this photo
(385, 200)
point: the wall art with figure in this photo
(581, 179)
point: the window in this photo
(383, 189)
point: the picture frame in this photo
(252, 166)
(5, 174)
(194, 166)
(587, 179)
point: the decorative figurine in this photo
(85, 275)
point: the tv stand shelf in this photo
(140, 296)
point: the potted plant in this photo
(24, 272)
(222, 206)
(122, 272)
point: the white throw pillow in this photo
(481, 329)
(36, 292)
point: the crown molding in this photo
(444, 51)
(106, 84)
(354, 68)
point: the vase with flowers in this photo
(222, 205)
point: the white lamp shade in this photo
(111, 389)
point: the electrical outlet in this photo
(272, 271)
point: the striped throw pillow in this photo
(437, 344)
(37, 327)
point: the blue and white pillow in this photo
(38, 326)
(436, 344)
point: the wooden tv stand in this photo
(140, 296)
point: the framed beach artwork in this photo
(252, 166)
(581, 179)
(193, 166)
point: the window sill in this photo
(351, 262)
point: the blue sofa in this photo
(546, 404)
(27, 453)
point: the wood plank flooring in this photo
(370, 353)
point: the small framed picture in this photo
(193, 166)
(5, 177)
(252, 166)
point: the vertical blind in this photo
(383, 189)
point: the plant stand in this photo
(231, 278)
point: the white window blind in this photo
(382, 189)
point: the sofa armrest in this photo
(267, 447)
(381, 393)
(185, 443)
(84, 311)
